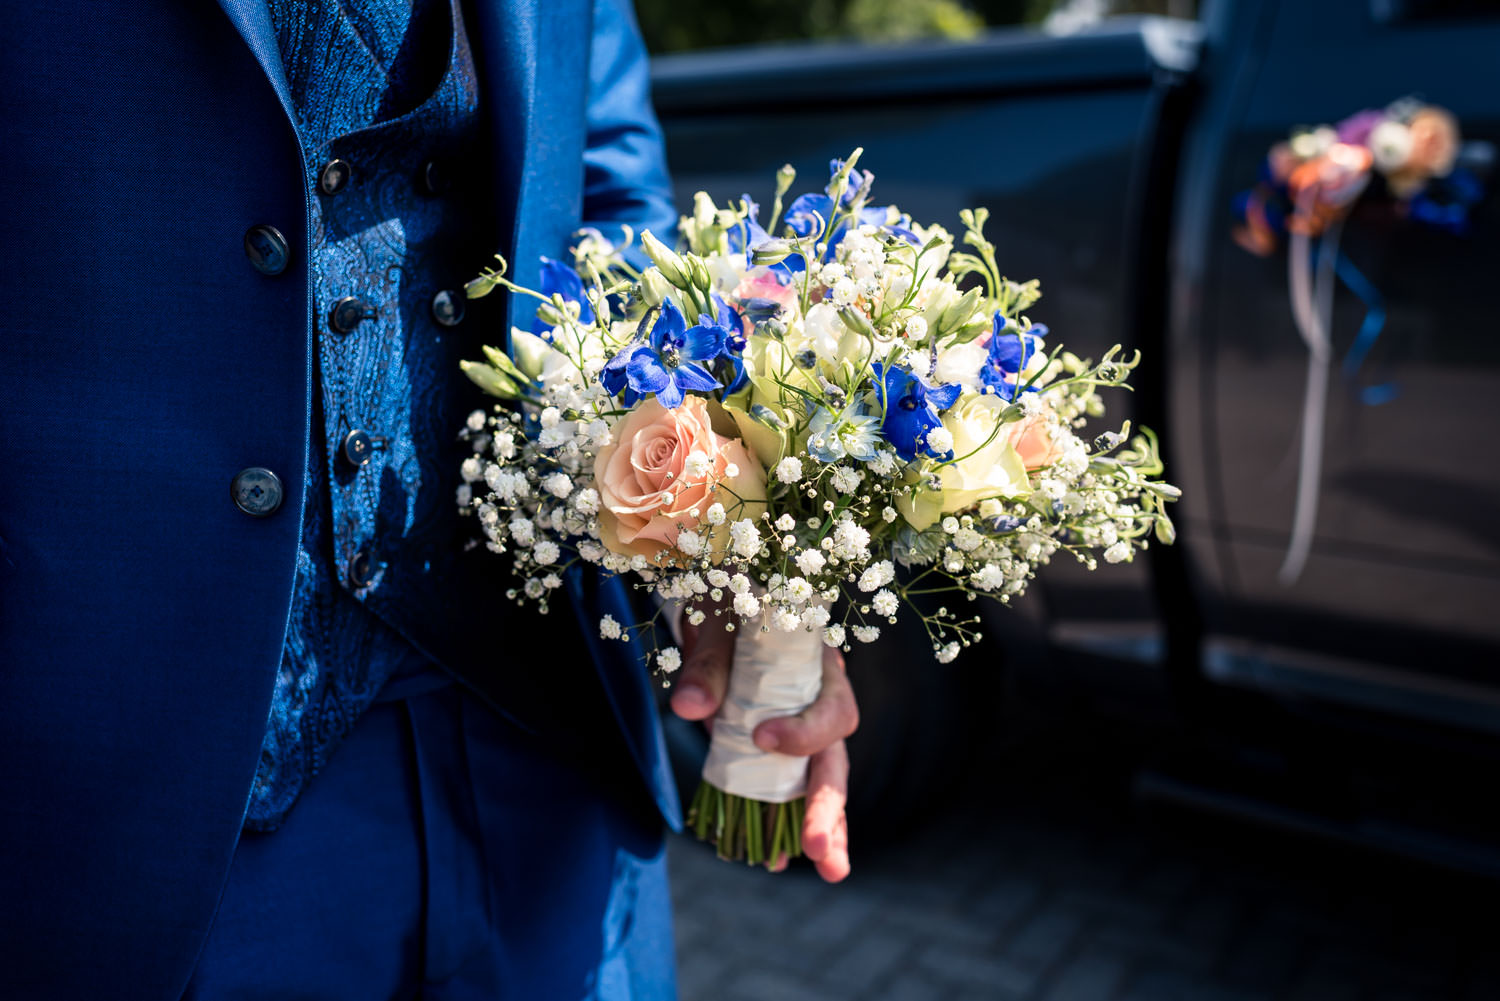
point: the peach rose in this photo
(1032, 441)
(663, 471)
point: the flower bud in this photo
(856, 321)
(699, 273)
(654, 287)
(771, 252)
(961, 312)
(673, 269)
(489, 379)
(784, 178)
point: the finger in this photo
(833, 716)
(708, 650)
(825, 832)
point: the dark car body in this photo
(1109, 161)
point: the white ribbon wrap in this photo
(775, 674)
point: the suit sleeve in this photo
(625, 172)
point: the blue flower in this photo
(911, 409)
(1009, 353)
(665, 366)
(558, 277)
(748, 233)
(729, 324)
(852, 432)
(809, 214)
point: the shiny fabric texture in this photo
(400, 873)
(144, 363)
(388, 87)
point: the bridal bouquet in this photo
(804, 434)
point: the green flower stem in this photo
(737, 826)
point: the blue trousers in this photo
(444, 855)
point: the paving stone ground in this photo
(1044, 883)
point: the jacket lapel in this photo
(252, 19)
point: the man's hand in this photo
(817, 732)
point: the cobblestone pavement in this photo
(1054, 887)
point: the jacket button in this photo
(362, 567)
(348, 313)
(448, 308)
(267, 250)
(256, 491)
(435, 177)
(334, 176)
(357, 447)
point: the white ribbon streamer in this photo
(775, 674)
(1313, 318)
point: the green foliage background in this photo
(679, 25)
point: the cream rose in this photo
(988, 464)
(661, 473)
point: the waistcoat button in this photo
(362, 567)
(256, 491)
(448, 308)
(348, 313)
(335, 175)
(267, 250)
(357, 447)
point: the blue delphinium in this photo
(810, 213)
(666, 366)
(1009, 352)
(911, 408)
(557, 277)
(851, 432)
(728, 322)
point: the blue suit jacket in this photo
(143, 362)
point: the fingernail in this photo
(693, 695)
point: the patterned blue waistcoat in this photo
(386, 95)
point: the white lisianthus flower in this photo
(885, 603)
(916, 329)
(476, 421)
(834, 634)
(950, 525)
(810, 561)
(609, 628)
(991, 508)
(747, 605)
(962, 363)
(789, 470)
(669, 659)
(866, 634)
